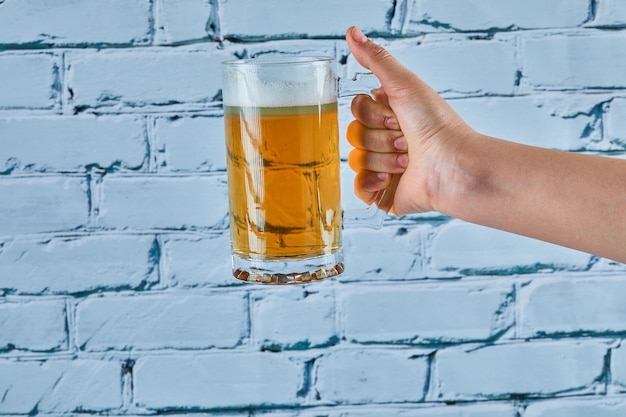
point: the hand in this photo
(410, 144)
(378, 144)
(405, 137)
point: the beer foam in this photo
(273, 87)
(277, 95)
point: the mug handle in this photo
(360, 83)
(373, 216)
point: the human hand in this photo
(406, 137)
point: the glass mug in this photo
(282, 144)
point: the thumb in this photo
(413, 101)
(392, 75)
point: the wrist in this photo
(463, 175)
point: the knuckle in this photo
(358, 103)
(380, 53)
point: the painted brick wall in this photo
(115, 288)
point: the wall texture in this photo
(115, 288)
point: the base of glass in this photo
(287, 271)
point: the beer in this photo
(282, 145)
(283, 175)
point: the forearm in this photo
(570, 199)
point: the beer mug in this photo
(282, 144)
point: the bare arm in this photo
(573, 200)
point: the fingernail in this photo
(400, 144)
(402, 160)
(392, 123)
(358, 36)
(382, 176)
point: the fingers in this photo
(375, 140)
(362, 160)
(369, 185)
(374, 114)
(380, 154)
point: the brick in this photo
(197, 262)
(190, 144)
(78, 264)
(243, 19)
(30, 325)
(33, 86)
(445, 65)
(163, 202)
(371, 376)
(216, 381)
(158, 77)
(415, 410)
(394, 252)
(577, 407)
(597, 61)
(71, 144)
(615, 122)
(421, 313)
(610, 13)
(171, 320)
(295, 319)
(530, 369)
(87, 22)
(279, 414)
(559, 307)
(185, 21)
(44, 204)
(79, 385)
(618, 368)
(475, 15)
(465, 248)
(531, 120)
(281, 47)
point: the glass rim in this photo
(279, 60)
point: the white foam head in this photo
(279, 82)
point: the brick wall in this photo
(115, 288)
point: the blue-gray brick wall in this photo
(115, 289)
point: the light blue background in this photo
(115, 289)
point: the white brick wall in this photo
(540, 368)
(370, 376)
(611, 407)
(219, 380)
(115, 79)
(33, 325)
(477, 15)
(291, 319)
(419, 314)
(163, 202)
(116, 295)
(33, 85)
(72, 144)
(78, 264)
(572, 61)
(46, 204)
(60, 386)
(161, 321)
(190, 144)
(281, 18)
(83, 23)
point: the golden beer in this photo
(283, 175)
(282, 142)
